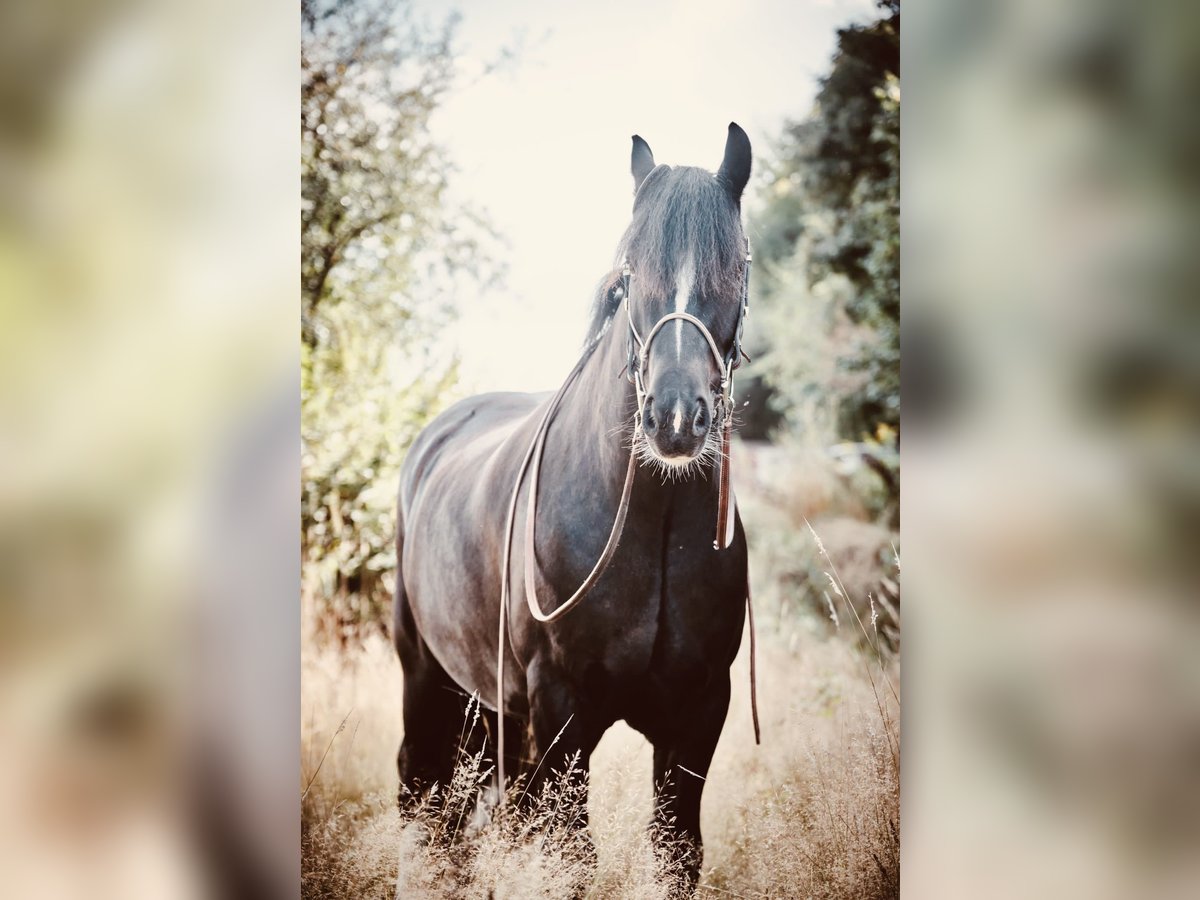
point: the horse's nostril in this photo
(700, 420)
(649, 423)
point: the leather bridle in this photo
(726, 365)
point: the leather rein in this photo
(533, 457)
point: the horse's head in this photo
(687, 256)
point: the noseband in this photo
(725, 523)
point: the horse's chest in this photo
(664, 635)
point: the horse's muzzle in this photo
(675, 428)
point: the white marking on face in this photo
(683, 292)
(678, 423)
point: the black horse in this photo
(653, 641)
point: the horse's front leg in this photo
(681, 760)
(565, 732)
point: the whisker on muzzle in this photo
(672, 471)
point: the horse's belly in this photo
(453, 525)
(448, 603)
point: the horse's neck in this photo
(585, 466)
(598, 413)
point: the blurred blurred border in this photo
(148, 273)
(149, 669)
(1050, 365)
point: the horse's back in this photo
(463, 436)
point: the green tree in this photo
(829, 245)
(381, 254)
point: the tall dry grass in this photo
(813, 812)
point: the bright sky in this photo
(543, 147)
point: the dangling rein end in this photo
(753, 668)
(723, 539)
(724, 535)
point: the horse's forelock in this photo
(680, 214)
(684, 213)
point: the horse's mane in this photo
(604, 306)
(679, 212)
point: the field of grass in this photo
(812, 812)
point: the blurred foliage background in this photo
(827, 257)
(384, 251)
(382, 254)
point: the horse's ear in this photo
(735, 167)
(641, 162)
